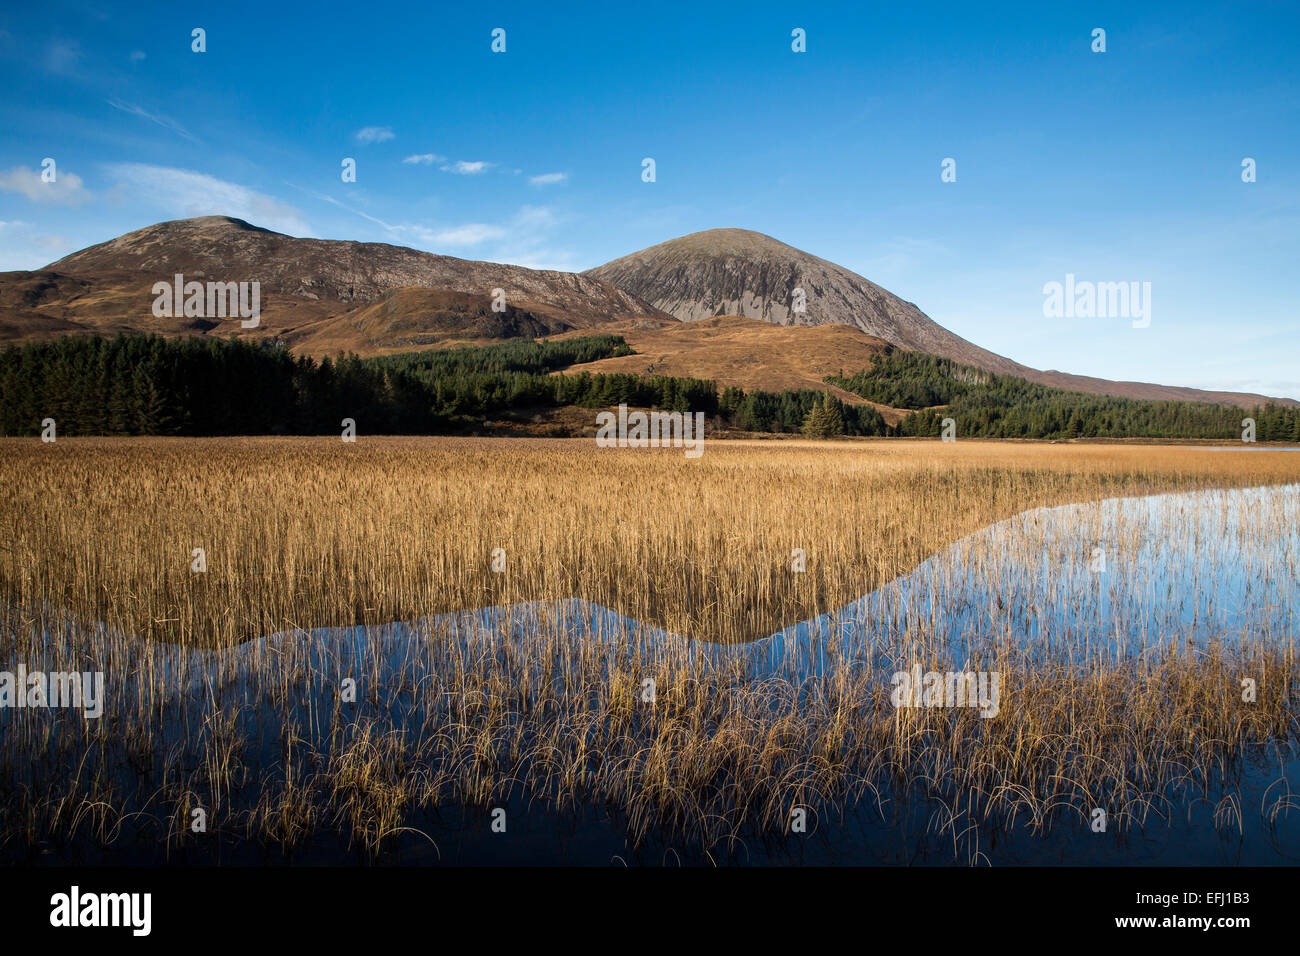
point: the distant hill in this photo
(739, 272)
(318, 294)
(716, 304)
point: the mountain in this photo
(738, 272)
(230, 249)
(716, 304)
(316, 294)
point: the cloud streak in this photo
(374, 134)
(66, 190)
(185, 193)
(62, 57)
(463, 168)
(166, 122)
(20, 242)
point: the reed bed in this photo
(311, 533)
(96, 540)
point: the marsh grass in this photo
(306, 534)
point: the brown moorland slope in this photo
(411, 319)
(747, 353)
(314, 292)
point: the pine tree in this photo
(835, 420)
(824, 420)
(153, 417)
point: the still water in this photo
(1105, 581)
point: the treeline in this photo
(902, 379)
(472, 382)
(150, 385)
(790, 410)
(523, 356)
(983, 405)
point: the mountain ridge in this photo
(746, 273)
(342, 269)
(322, 296)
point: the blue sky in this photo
(1115, 166)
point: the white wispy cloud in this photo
(530, 240)
(536, 217)
(62, 56)
(374, 134)
(137, 56)
(899, 256)
(547, 179)
(342, 205)
(470, 234)
(166, 122)
(524, 239)
(424, 159)
(185, 193)
(463, 168)
(23, 247)
(66, 189)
